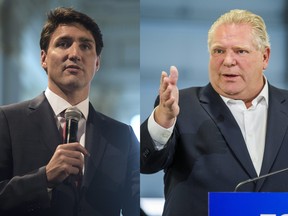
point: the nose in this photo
(229, 59)
(74, 53)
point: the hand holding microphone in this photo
(67, 159)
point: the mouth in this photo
(230, 75)
(74, 69)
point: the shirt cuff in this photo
(159, 134)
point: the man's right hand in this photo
(168, 108)
(67, 159)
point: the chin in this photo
(72, 85)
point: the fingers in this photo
(163, 75)
(69, 166)
(67, 159)
(168, 107)
(169, 103)
(164, 82)
(75, 147)
(71, 155)
(168, 90)
(173, 75)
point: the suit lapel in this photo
(276, 129)
(223, 118)
(43, 117)
(95, 144)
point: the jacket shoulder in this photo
(20, 106)
(188, 94)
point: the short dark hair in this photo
(63, 15)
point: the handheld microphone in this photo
(72, 116)
(258, 178)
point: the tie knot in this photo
(73, 113)
(72, 119)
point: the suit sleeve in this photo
(152, 160)
(131, 204)
(18, 193)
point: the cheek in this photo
(253, 69)
(215, 63)
(56, 56)
(92, 65)
(213, 75)
(214, 67)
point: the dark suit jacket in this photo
(28, 139)
(207, 151)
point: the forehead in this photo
(229, 34)
(72, 30)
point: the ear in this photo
(266, 57)
(43, 60)
(98, 63)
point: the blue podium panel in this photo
(248, 204)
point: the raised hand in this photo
(168, 108)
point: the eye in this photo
(241, 51)
(85, 46)
(63, 44)
(218, 51)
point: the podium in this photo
(248, 203)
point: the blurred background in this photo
(115, 88)
(175, 33)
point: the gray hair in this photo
(259, 33)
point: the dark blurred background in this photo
(115, 88)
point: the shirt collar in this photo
(262, 95)
(58, 104)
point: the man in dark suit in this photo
(35, 167)
(213, 137)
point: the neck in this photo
(248, 104)
(73, 97)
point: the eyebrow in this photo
(81, 39)
(84, 39)
(218, 46)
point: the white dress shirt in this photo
(58, 105)
(159, 134)
(252, 123)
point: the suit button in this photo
(146, 153)
(33, 206)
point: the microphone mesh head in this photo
(73, 113)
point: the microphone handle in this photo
(71, 131)
(70, 137)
